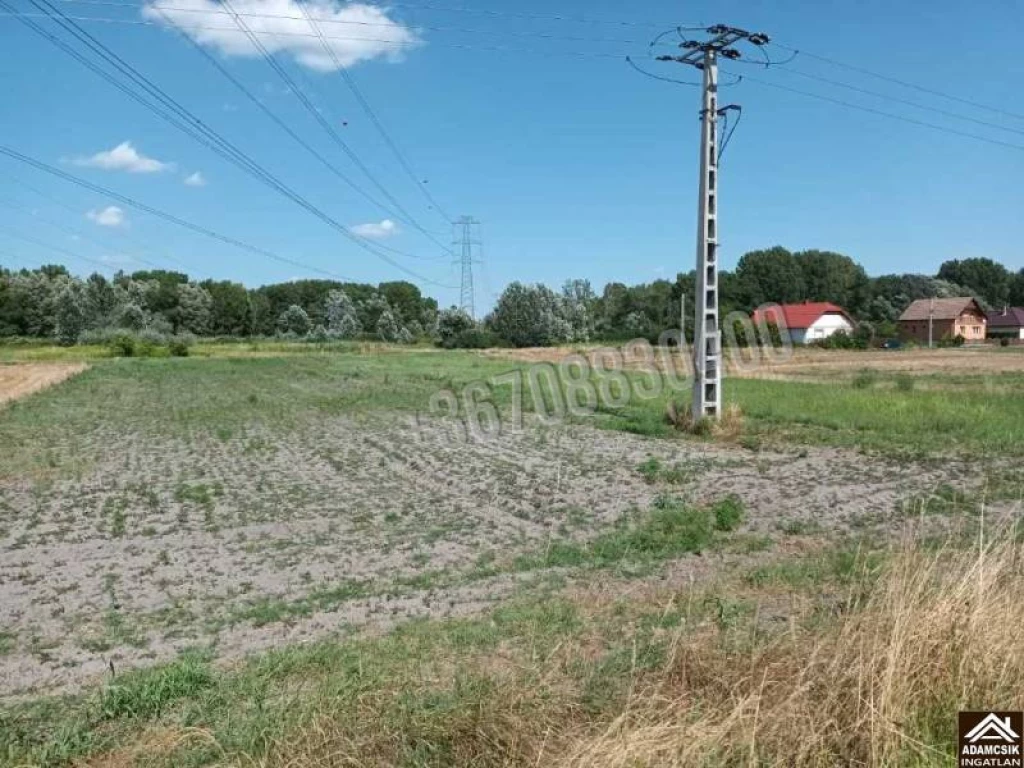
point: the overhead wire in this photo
(163, 253)
(389, 41)
(186, 121)
(75, 233)
(145, 208)
(898, 100)
(474, 11)
(900, 82)
(54, 248)
(883, 113)
(297, 90)
(369, 111)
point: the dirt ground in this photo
(21, 379)
(824, 364)
(354, 524)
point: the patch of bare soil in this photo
(22, 379)
(256, 540)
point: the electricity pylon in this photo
(466, 238)
(707, 332)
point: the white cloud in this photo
(111, 216)
(124, 157)
(195, 180)
(365, 32)
(376, 230)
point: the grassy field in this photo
(281, 556)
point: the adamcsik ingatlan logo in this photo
(991, 740)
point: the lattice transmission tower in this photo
(467, 239)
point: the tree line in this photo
(50, 302)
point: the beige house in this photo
(948, 318)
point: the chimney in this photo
(1006, 310)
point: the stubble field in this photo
(228, 508)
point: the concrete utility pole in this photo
(707, 336)
(931, 320)
(466, 239)
(707, 333)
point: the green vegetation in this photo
(540, 679)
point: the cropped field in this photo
(283, 557)
(24, 379)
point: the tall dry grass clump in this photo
(930, 633)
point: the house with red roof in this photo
(807, 322)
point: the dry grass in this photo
(21, 380)
(728, 427)
(939, 632)
(872, 675)
(813, 364)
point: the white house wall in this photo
(824, 327)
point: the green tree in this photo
(70, 314)
(984, 279)
(194, 309)
(342, 318)
(773, 275)
(530, 316)
(229, 308)
(294, 320)
(836, 278)
(452, 322)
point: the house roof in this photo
(939, 309)
(800, 316)
(1011, 317)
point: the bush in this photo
(728, 513)
(1004, 342)
(473, 338)
(179, 348)
(123, 345)
(452, 323)
(865, 379)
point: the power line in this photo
(161, 8)
(351, 83)
(882, 113)
(194, 127)
(903, 83)
(124, 235)
(311, 108)
(54, 248)
(474, 11)
(282, 33)
(898, 100)
(74, 232)
(205, 231)
(212, 60)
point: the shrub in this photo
(728, 513)
(453, 322)
(473, 338)
(123, 345)
(905, 382)
(1004, 342)
(865, 379)
(294, 320)
(179, 348)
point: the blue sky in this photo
(576, 165)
